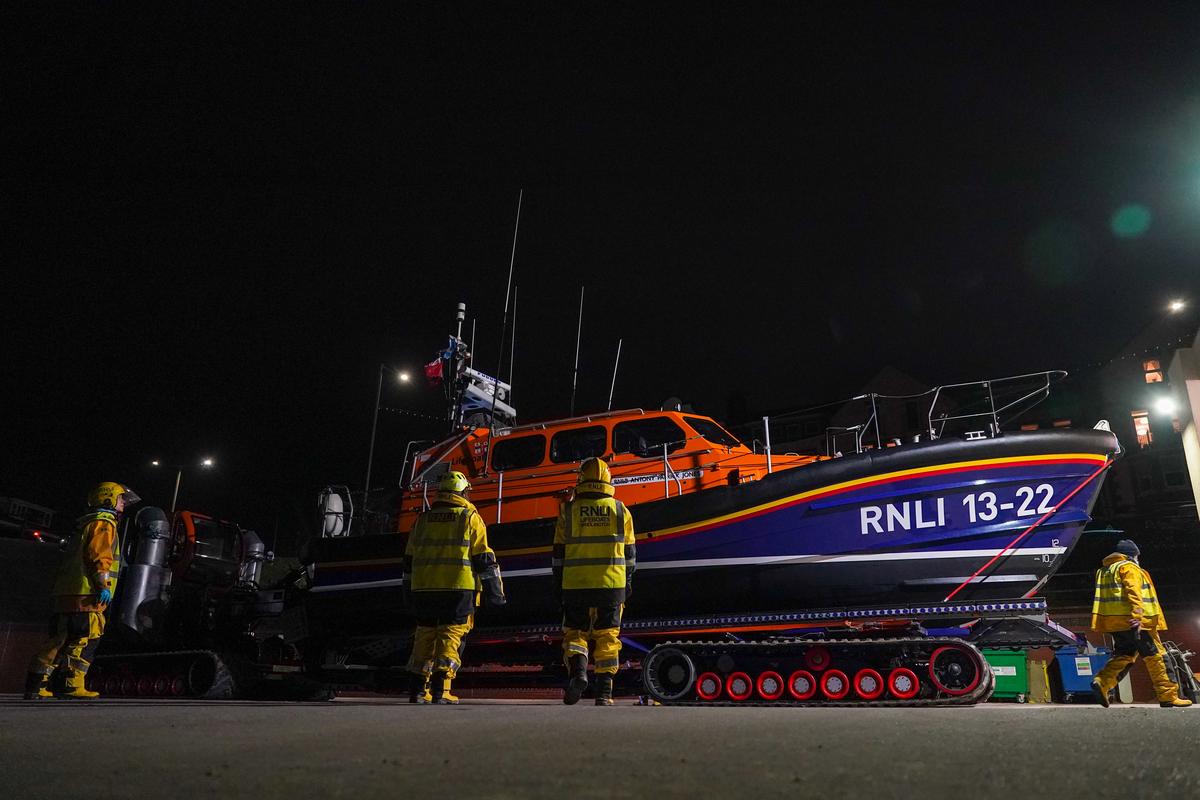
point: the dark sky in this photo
(218, 222)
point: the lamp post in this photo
(402, 377)
(206, 463)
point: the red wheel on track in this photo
(177, 686)
(802, 685)
(835, 684)
(954, 671)
(128, 685)
(868, 684)
(770, 686)
(903, 684)
(145, 685)
(739, 686)
(708, 686)
(162, 685)
(817, 658)
(112, 684)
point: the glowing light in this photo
(1165, 405)
(208, 462)
(155, 463)
(1130, 221)
(403, 377)
(1177, 305)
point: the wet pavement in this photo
(366, 748)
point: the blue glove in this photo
(105, 596)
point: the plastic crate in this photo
(1012, 674)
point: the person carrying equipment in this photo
(595, 555)
(1126, 606)
(83, 588)
(447, 557)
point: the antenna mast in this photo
(612, 388)
(512, 356)
(512, 258)
(578, 336)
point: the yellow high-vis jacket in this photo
(594, 544)
(448, 547)
(92, 563)
(1125, 592)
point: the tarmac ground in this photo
(383, 747)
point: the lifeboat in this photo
(721, 528)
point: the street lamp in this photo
(208, 462)
(402, 377)
(1176, 305)
(1165, 405)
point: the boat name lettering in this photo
(686, 474)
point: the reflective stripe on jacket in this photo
(92, 563)
(592, 533)
(442, 544)
(1124, 592)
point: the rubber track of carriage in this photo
(981, 692)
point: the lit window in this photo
(1029, 426)
(1062, 423)
(1141, 427)
(1152, 368)
(1150, 364)
(1154, 377)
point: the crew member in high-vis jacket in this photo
(446, 558)
(595, 556)
(1126, 606)
(83, 588)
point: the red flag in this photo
(433, 372)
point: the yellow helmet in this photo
(594, 470)
(106, 495)
(454, 482)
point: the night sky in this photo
(219, 223)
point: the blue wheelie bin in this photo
(1078, 670)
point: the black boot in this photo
(37, 686)
(604, 684)
(437, 686)
(577, 670)
(417, 687)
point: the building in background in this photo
(1184, 375)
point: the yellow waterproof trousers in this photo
(1164, 687)
(437, 646)
(600, 625)
(73, 636)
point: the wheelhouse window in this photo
(215, 539)
(646, 437)
(578, 444)
(519, 453)
(718, 435)
(1152, 369)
